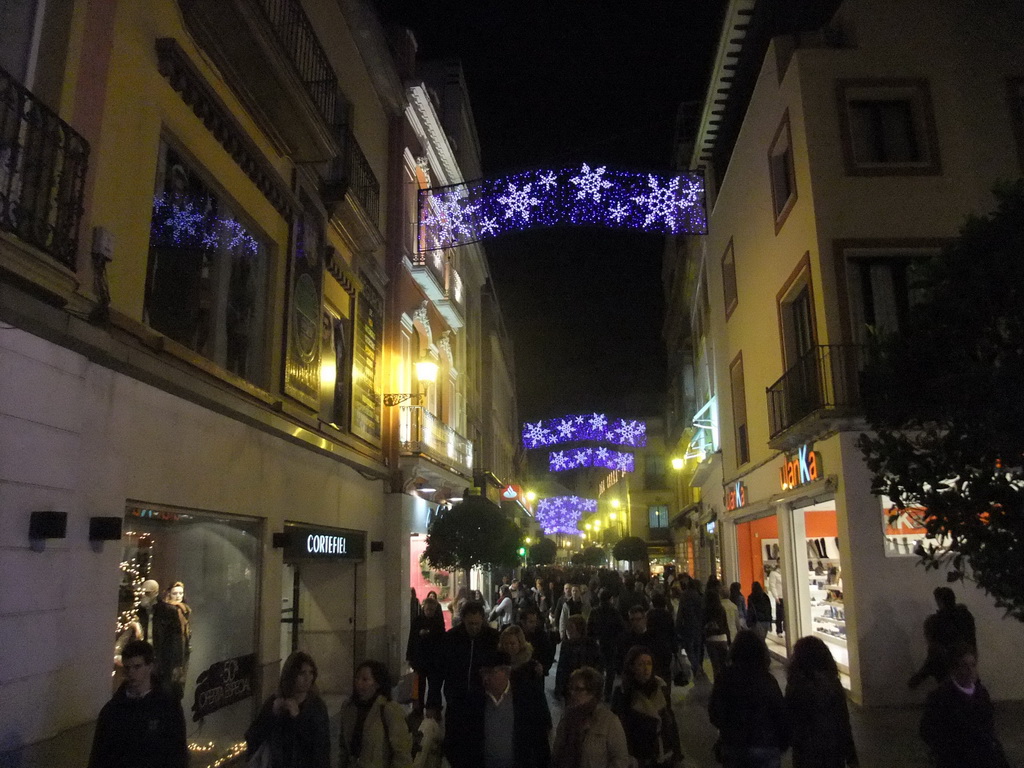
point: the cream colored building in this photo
(841, 141)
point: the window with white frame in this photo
(657, 516)
(882, 289)
(888, 127)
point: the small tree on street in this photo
(945, 400)
(594, 556)
(473, 533)
(543, 552)
(631, 548)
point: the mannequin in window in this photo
(775, 589)
(172, 639)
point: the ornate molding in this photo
(184, 77)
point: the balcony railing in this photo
(295, 34)
(351, 172)
(424, 433)
(42, 173)
(825, 379)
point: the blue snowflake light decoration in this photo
(577, 458)
(181, 223)
(594, 427)
(561, 514)
(576, 195)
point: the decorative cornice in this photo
(424, 120)
(185, 78)
(340, 271)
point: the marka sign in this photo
(736, 496)
(801, 469)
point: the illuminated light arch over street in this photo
(578, 195)
(578, 458)
(561, 514)
(593, 427)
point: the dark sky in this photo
(559, 82)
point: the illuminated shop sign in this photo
(736, 496)
(803, 468)
(305, 543)
(511, 493)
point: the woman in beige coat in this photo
(374, 733)
(589, 734)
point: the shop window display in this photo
(188, 586)
(825, 579)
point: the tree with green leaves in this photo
(594, 556)
(543, 552)
(473, 533)
(944, 398)
(631, 548)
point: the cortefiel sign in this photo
(309, 543)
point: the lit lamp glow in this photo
(426, 370)
(677, 463)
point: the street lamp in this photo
(426, 373)
(677, 463)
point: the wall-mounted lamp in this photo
(677, 463)
(104, 528)
(48, 524)
(426, 372)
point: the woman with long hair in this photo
(374, 733)
(589, 735)
(747, 708)
(716, 630)
(643, 705)
(817, 708)
(292, 724)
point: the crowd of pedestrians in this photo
(616, 648)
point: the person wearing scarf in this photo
(642, 704)
(589, 734)
(374, 733)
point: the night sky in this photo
(560, 82)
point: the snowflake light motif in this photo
(624, 462)
(518, 202)
(566, 429)
(601, 454)
(561, 514)
(661, 202)
(489, 226)
(598, 422)
(590, 183)
(535, 435)
(558, 461)
(618, 212)
(548, 180)
(449, 218)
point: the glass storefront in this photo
(824, 569)
(189, 583)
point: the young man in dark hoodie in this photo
(141, 725)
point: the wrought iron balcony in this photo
(421, 432)
(823, 383)
(350, 172)
(271, 57)
(42, 173)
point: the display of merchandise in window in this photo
(188, 587)
(825, 576)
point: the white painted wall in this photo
(80, 438)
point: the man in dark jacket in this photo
(141, 726)
(950, 626)
(425, 637)
(537, 636)
(606, 626)
(639, 634)
(458, 674)
(509, 723)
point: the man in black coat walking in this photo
(457, 674)
(142, 726)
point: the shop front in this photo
(189, 582)
(319, 597)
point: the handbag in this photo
(262, 757)
(682, 670)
